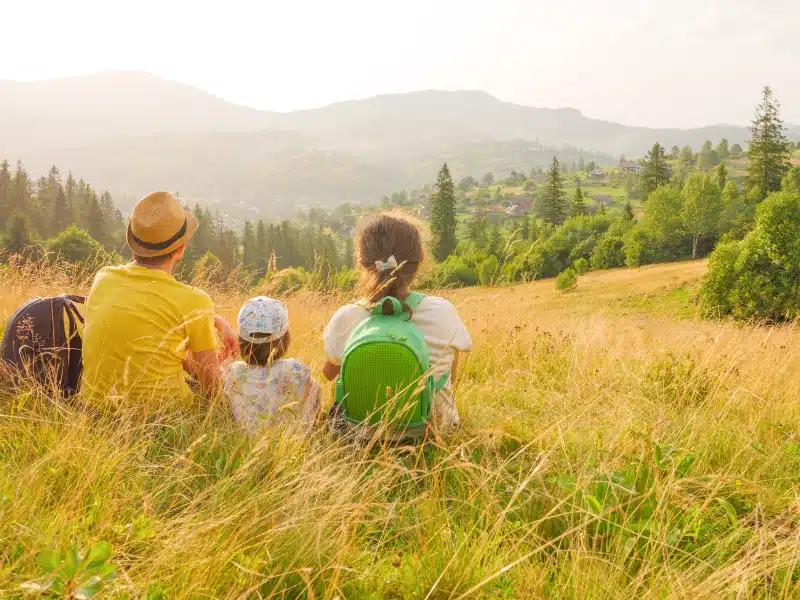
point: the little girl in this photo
(263, 387)
(388, 253)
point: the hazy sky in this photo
(645, 62)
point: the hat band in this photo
(167, 243)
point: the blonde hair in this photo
(379, 238)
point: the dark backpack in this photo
(42, 340)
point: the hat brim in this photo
(191, 228)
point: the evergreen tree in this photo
(69, 192)
(581, 165)
(488, 179)
(443, 215)
(687, 155)
(526, 227)
(261, 247)
(655, 171)
(791, 183)
(675, 153)
(554, 205)
(62, 218)
(722, 174)
(95, 220)
(736, 150)
(18, 234)
(349, 252)
(629, 211)
(723, 150)
(21, 190)
(495, 247)
(249, 246)
(768, 151)
(578, 204)
(5, 191)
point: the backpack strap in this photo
(439, 384)
(397, 307)
(413, 299)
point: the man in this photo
(144, 329)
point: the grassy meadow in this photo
(614, 446)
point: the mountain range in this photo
(132, 132)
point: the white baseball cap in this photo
(262, 315)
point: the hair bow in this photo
(391, 263)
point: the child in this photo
(264, 387)
(389, 252)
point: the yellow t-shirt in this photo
(139, 324)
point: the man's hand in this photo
(230, 342)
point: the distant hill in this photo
(132, 132)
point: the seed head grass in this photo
(613, 446)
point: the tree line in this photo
(686, 213)
(68, 218)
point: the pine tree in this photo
(249, 246)
(722, 174)
(723, 150)
(61, 214)
(261, 247)
(18, 235)
(554, 205)
(95, 220)
(526, 227)
(443, 215)
(629, 211)
(768, 151)
(791, 182)
(495, 246)
(581, 164)
(736, 150)
(578, 204)
(349, 253)
(655, 171)
(5, 191)
(20, 190)
(69, 192)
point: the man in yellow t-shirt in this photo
(144, 329)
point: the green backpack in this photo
(386, 375)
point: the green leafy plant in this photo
(567, 280)
(71, 574)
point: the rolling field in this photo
(614, 446)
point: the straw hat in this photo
(159, 225)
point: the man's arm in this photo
(204, 366)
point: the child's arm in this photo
(330, 370)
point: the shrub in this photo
(567, 280)
(759, 277)
(609, 253)
(487, 270)
(77, 246)
(454, 272)
(581, 266)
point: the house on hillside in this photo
(515, 211)
(421, 198)
(628, 166)
(603, 199)
(597, 175)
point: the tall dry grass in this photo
(609, 450)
